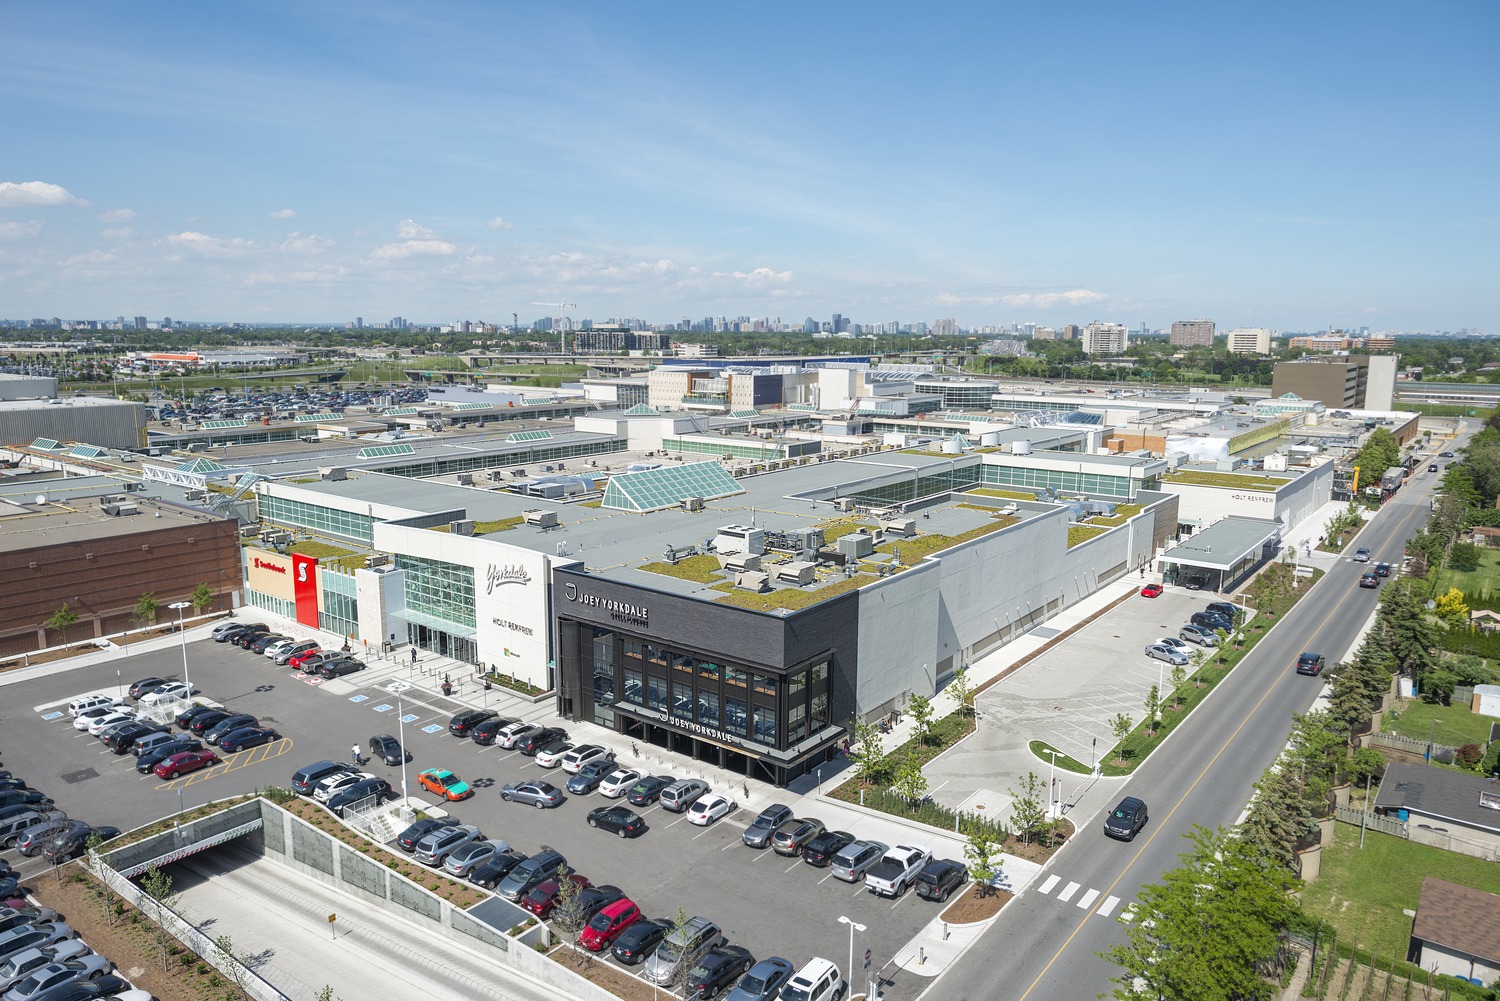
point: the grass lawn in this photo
(1235, 481)
(1362, 893)
(1485, 580)
(1043, 750)
(1456, 725)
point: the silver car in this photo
(44, 978)
(24, 937)
(35, 838)
(1173, 656)
(20, 966)
(465, 858)
(854, 860)
(539, 794)
(434, 848)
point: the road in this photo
(1044, 945)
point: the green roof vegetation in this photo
(839, 529)
(319, 550)
(913, 550)
(1235, 481)
(486, 527)
(1008, 494)
(1082, 533)
(794, 598)
(703, 569)
(1123, 513)
(592, 503)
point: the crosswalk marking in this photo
(1087, 899)
(1128, 914)
(1108, 907)
(1048, 885)
(1068, 892)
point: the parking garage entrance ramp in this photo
(179, 842)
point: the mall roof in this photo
(71, 513)
(1223, 544)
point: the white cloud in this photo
(117, 215)
(1039, 300)
(296, 243)
(413, 248)
(759, 278)
(210, 246)
(18, 230)
(500, 223)
(1373, 310)
(36, 193)
(406, 229)
(284, 214)
(118, 233)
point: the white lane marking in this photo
(1108, 907)
(1068, 892)
(1087, 899)
(1048, 885)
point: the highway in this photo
(1044, 945)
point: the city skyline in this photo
(1298, 170)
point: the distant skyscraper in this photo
(1192, 333)
(1104, 338)
(140, 323)
(1071, 332)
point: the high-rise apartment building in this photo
(1071, 332)
(1104, 338)
(1192, 333)
(1249, 341)
(1359, 382)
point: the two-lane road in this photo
(1044, 946)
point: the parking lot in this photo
(770, 904)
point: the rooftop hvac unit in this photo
(378, 560)
(740, 562)
(904, 527)
(807, 538)
(751, 581)
(518, 472)
(466, 479)
(465, 527)
(845, 504)
(197, 446)
(541, 519)
(855, 545)
(740, 539)
(496, 475)
(797, 572)
(196, 495)
(691, 503)
(1020, 448)
(332, 473)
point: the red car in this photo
(540, 900)
(1151, 590)
(606, 926)
(186, 761)
(307, 655)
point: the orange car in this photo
(444, 783)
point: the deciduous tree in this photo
(982, 853)
(911, 782)
(1027, 810)
(919, 708)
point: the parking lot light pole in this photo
(854, 926)
(180, 605)
(1051, 754)
(401, 730)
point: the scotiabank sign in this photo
(305, 588)
(271, 573)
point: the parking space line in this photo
(795, 865)
(862, 889)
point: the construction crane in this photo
(562, 331)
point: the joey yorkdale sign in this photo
(510, 611)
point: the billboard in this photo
(270, 573)
(305, 588)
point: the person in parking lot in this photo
(355, 751)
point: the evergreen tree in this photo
(1278, 818)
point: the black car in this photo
(1195, 581)
(245, 637)
(358, 792)
(484, 733)
(716, 969)
(461, 724)
(146, 762)
(75, 842)
(1228, 609)
(590, 901)
(1368, 579)
(821, 849)
(388, 749)
(185, 718)
(939, 878)
(587, 778)
(1310, 663)
(1126, 820)
(145, 685)
(1382, 569)
(340, 667)
(102, 988)
(640, 940)
(1211, 620)
(216, 732)
(121, 740)
(539, 738)
(617, 820)
(246, 736)
(764, 980)
(201, 722)
(546, 864)
(648, 790)
(492, 870)
(407, 839)
(304, 780)
(259, 644)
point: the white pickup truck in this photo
(896, 869)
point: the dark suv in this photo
(466, 721)
(537, 739)
(1211, 620)
(939, 878)
(1126, 820)
(1229, 610)
(541, 867)
(1310, 663)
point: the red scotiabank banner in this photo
(305, 588)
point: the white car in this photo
(552, 757)
(618, 782)
(88, 716)
(582, 755)
(709, 809)
(102, 723)
(274, 648)
(79, 706)
(508, 735)
(1173, 642)
(329, 787)
(171, 691)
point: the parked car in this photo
(144, 685)
(1198, 635)
(30, 840)
(1211, 620)
(407, 839)
(52, 975)
(492, 870)
(265, 640)
(791, 837)
(588, 778)
(98, 724)
(87, 702)
(123, 739)
(682, 794)
(1152, 591)
(1173, 642)
(222, 631)
(680, 949)
(18, 825)
(758, 834)
(249, 636)
(304, 780)
(820, 851)
(608, 924)
(21, 965)
(463, 859)
(639, 940)
(716, 969)
(763, 981)
(146, 763)
(216, 732)
(534, 740)
(619, 820)
(388, 749)
(618, 782)
(296, 660)
(183, 762)
(1234, 613)
(543, 865)
(247, 736)
(854, 860)
(185, 718)
(201, 723)
(818, 980)
(896, 869)
(336, 782)
(1126, 820)
(32, 936)
(11, 917)
(583, 754)
(148, 742)
(539, 794)
(88, 717)
(551, 756)
(107, 988)
(540, 899)
(285, 654)
(508, 736)
(339, 667)
(1310, 663)
(710, 808)
(463, 722)
(1172, 655)
(485, 733)
(71, 844)
(648, 790)
(939, 879)
(442, 782)
(275, 648)
(352, 795)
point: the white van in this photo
(88, 702)
(817, 981)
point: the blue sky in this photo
(1282, 165)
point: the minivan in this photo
(681, 949)
(682, 794)
(146, 742)
(817, 981)
(88, 702)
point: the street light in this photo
(401, 732)
(1052, 754)
(180, 605)
(854, 926)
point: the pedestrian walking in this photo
(413, 655)
(354, 751)
(1143, 571)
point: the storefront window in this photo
(819, 712)
(656, 694)
(682, 700)
(795, 684)
(681, 662)
(734, 715)
(632, 651)
(709, 671)
(765, 725)
(817, 673)
(708, 709)
(604, 647)
(736, 676)
(796, 723)
(635, 690)
(657, 657)
(765, 684)
(604, 683)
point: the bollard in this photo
(921, 955)
(945, 931)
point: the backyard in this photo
(1484, 580)
(1456, 725)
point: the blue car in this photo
(247, 736)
